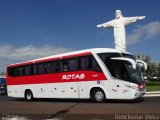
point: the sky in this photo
(31, 29)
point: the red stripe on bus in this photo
(47, 60)
(76, 55)
(50, 59)
(77, 76)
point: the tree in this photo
(145, 58)
(153, 68)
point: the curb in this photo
(152, 94)
(155, 92)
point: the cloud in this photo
(145, 32)
(11, 54)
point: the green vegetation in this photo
(153, 68)
(152, 83)
(152, 86)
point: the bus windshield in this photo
(121, 69)
(136, 76)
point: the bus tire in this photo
(29, 95)
(98, 95)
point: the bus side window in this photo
(52, 67)
(27, 70)
(48, 67)
(72, 64)
(21, 71)
(65, 66)
(95, 65)
(55, 66)
(34, 69)
(88, 63)
(82, 63)
(16, 71)
(10, 71)
(41, 68)
(69, 65)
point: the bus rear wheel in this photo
(98, 95)
(28, 95)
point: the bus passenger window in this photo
(65, 67)
(41, 68)
(88, 63)
(27, 70)
(15, 71)
(34, 69)
(69, 65)
(95, 65)
(52, 67)
(21, 71)
(48, 67)
(55, 66)
(72, 64)
(10, 71)
(82, 64)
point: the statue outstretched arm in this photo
(129, 20)
(107, 24)
(141, 17)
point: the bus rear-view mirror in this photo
(142, 64)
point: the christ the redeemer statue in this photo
(119, 28)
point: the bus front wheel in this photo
(98, 95)
(28, 95)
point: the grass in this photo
(152, 83)
(152, 86)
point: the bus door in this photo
(121, 80)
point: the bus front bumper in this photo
(139, 94)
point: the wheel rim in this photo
(99, 96)
(29, 96)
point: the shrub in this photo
(152, 83)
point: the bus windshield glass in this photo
(136, 76)
(121, 69)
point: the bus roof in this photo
(71, 54)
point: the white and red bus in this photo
(97, 74)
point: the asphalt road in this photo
(73, 109)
